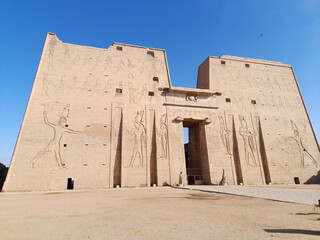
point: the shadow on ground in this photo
(293, 231)
(303, 214)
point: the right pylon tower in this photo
(265, 129)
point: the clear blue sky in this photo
(188, 30)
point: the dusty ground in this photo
(152, 213)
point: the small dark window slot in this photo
(223, 62)
(247, 65)
(156, 79)
(65, 145)
(151, 94)
(118, 90)
(67, 125)
(228, 100)
(70, 184)
(253, 101)
(119, 49)
(150, 53)
(296, 180)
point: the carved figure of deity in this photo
(108, 63)
(45, 84)
(51, 58)
(249, 146)
(120, 66)
(132, 96)
(224, 136)
(130, 69)
(143, 92)
(162, 132)
(144, 68)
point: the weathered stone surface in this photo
(107, 117)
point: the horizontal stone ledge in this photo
(189, 105)
(192, 91)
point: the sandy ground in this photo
(152, 213)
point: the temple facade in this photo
(102, 118)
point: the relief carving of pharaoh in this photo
(139, 134)
(304, 153)
(59, 130)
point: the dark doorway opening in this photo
(195, 152)
(70, 184)
(296, 180)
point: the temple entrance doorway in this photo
(195, 152)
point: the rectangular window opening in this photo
(150, 53)
(247, 65)
(223, 62)
(155, 79)
(296, 180)
(253, 101)
(119, 49)
(65, 145)
(119, 90)
(228, 100)
(70, 184)
(151, 94)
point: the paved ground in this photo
(286, 194)
(151, 213)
